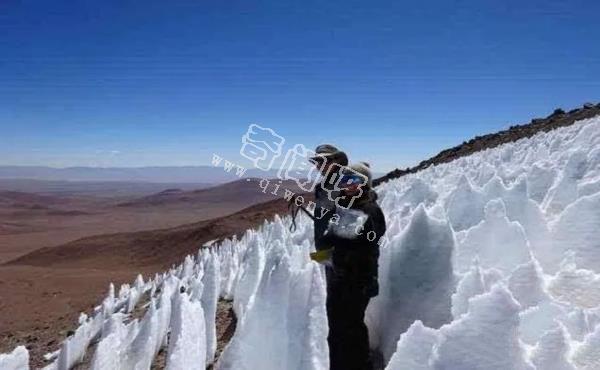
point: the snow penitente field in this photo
(492, 261)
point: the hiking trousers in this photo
(348, 335)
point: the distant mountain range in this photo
(187, 174)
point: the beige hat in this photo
(363, 168)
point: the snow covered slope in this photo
(490, 262)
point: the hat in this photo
(328, 151)
(362, 168)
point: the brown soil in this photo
(31, 221)
(157, 249)
(42, 293)
(226, 324)
(39, 305)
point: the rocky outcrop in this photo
(558, 118)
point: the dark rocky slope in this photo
(558, 118)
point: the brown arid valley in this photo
(60, 253)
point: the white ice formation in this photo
(491, 261)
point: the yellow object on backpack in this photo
(323, 256)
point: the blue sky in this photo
(137, 83)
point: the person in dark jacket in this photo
(352, 281)
(329, 160)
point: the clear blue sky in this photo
(136, 83)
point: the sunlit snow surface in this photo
(491, 262)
